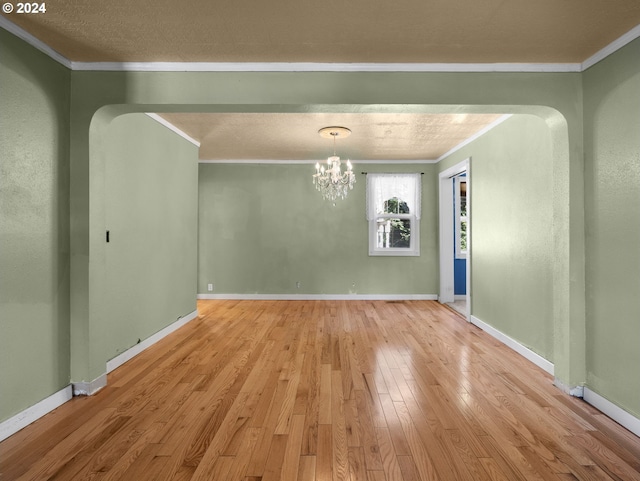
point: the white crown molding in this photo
(475, 136)
(322, 297)
(312, 161)
(394, 161)
(317, 67)
(257, 161)
(173, 128)
(323, 67)
(34, 42)
(614, 46)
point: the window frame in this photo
(414, 241)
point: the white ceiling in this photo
(374, 137)
(358, 31)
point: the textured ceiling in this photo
(395, 137)
(356, 31)
(362, 31)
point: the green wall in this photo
(151, 214)
(264, 227)
(148, 190)
(34, 226)
(511, 234)
(612, 180)
(74, 112)
(98, 97)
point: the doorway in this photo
(455, 239)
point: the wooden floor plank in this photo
(324, 390)
(291, 462)
(241, 461)
(307, 469)
(389, 456)
(324, 458)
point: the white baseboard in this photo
(84, 388)
(29, 415)
(527, 353)
(133, 351)
(89, 388)
(575, 391)
(622, 417)
(323, 297)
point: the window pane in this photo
(460, 206)
(383, 187)
(463, 235)
(393, 233)
(394, 206)
(463, 198)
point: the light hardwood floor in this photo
(325, 390)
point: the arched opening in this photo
(96, 264)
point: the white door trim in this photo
(446, 232)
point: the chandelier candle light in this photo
(332, 182)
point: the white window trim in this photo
(412, 250)
(414, 247)
(457, 218)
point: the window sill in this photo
(395, 252)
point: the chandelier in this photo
(332, 182)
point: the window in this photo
(460, 217)
(393, 212)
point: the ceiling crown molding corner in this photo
(34, 42)
(614, 46)
(475, 136)
(173, 128)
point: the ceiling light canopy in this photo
(332, 182)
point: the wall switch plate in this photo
(210, 287)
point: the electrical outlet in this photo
(297, 284)
(210, 287)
